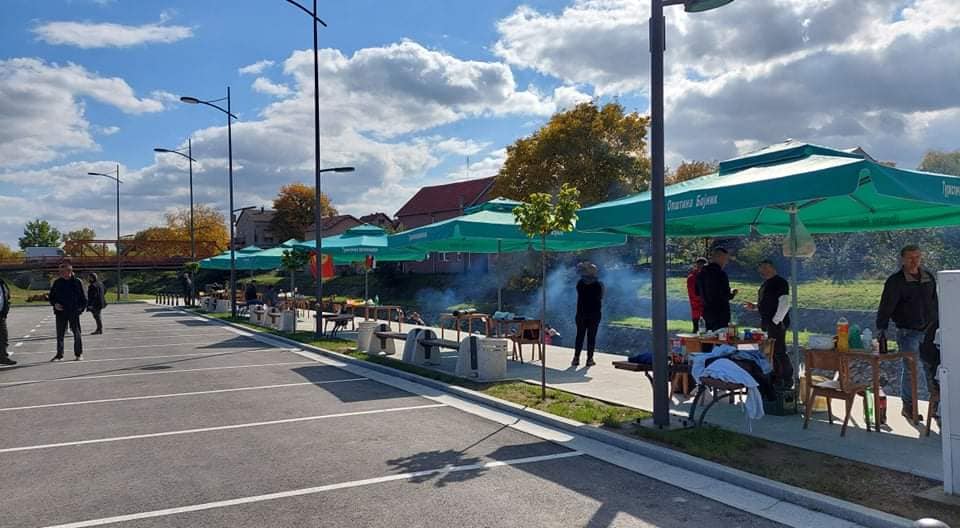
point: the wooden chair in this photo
(527, 333)
(840, 388)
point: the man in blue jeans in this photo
(910, 299)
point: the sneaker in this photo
(590, 363)
(57, 358)
(7, 361)
(78, 358)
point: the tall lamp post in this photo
(189, 156)
(318, 222)
(658, 238)
(230, 118)
(117, 180)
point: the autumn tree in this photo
(942, 162)
(689, 170)
(599, 150)
(6, 252)
(209, 225)
(39, 233)
(84, 233)
(293, 211)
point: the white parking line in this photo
(200, 354)
(146, 346)
(177, 394)
(316, 489)
(178, 371)
(220, 428)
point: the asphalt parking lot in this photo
(172, 420)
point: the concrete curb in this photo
(804, 498)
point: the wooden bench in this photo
(430, 344)
(383, 336)
(339, 322)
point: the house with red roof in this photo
(439, 202)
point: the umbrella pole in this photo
(499, 279)
(793, 293)
(366, 283)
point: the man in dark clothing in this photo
(4, 336)
(713, 286)
(250, 293)
(187, 283)
(68, 301)
(589, 312)
(696, 303)
(773, 303)
(96, 301)
(909, 298)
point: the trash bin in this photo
(287, 322)
(482, 358)
(365, 332)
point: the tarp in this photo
(492, 228)
(833, 191)
(356, 243)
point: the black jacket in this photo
(96, 296)
(713, 286)
(5, 292)
(69, 294)
(911, 303)
(589, 299)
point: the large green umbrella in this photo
(491, 228)
(776, 189)
(357, 243)
(242, 260)
(831, 191)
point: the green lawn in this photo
(18, 296)
(853, 295)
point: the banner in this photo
(327, 266)
(368, 263)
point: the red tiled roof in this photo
(447, 197)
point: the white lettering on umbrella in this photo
(417, 236)
(950, 190)
(706, 201)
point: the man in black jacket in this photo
(773, 303)
(96, 301)
(68, 301)
(4, 310)
(910, 299)
(713, 286)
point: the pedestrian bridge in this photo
(102, 254)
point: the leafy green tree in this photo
(39, 233)
(538, 217)
(294, 261)
(599, 150)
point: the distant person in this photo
(186, 283)
(553, 336)
(68, 301)
(272, 295)
(773, 303)
(96, 301)
(909, 298)
(416, 318)
(589, 302)
(713, 286)
(250, 293)
(4, 335)
(696, 303)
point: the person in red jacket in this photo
(696, 302)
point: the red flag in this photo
(368, 262)
(327, 266)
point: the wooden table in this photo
(469, 318)
(496, 327)
(874, 360)
(390, 309)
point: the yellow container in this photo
(819, 403)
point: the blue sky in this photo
(410, 89)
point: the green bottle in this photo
(868, 410)
(855, 340)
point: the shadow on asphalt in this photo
(349, 392)
(237, 342)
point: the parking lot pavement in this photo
(175, 421)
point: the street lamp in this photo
(314, 19)
(117, 180)
(230, 118)
(318, 234)
(189, 156)
(658, 239)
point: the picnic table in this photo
(469, 318)
(376, 309)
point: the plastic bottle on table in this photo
(702, 326)
(866, 337)
(843, 335)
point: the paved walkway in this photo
(898, 446)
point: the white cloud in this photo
(88, 35)
(264, 85)
(256, 68)
(106, 130)
(569, 96)
(457, 146)
(43, 109)
(488, 166)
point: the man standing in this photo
(4, 310)
(250, 293)
(68, 301)
(696, 303)
(713, 285)
(96, 301)
(773, 303)
(910, 299)
(187, 284)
